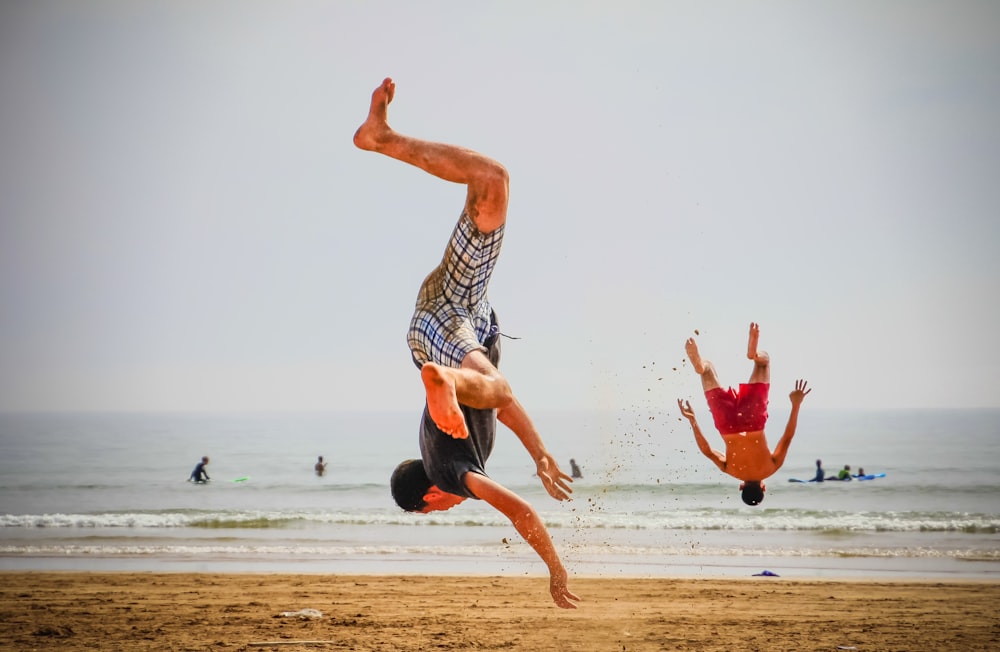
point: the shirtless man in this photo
(454, 341)
(740, 417)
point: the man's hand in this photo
(686, 410)
(553, 478)
(799, 393)
(560, 592)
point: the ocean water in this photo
(94, 491)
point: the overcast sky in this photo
(186, 225)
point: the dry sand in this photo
(174, 611)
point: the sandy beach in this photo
(181, 611)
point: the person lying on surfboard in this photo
(454, 341)
(740, 417)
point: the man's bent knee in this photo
(504, 394)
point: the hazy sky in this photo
(186, 225)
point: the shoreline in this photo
(518, 559)
(82, 610)
(497, 550)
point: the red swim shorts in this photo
(742, 411)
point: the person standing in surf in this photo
(454, 341)
(199, 474)
(740, 417)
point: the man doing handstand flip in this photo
(454, 341)
(740, 417)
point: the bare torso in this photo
(748, 456)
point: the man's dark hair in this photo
(409, 485)
(752, 493)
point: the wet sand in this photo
(188, 611)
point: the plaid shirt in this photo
(453, 317)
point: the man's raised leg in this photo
(702, 367)
(486, 179)
(761, 360)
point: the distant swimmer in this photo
(574, 470)
(320, 466)
(740, 417)
(200, 474)
(845, 473)
(454, 340)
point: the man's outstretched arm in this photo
(781, 450)
(530, 526)
(553, 478)
(716, 456)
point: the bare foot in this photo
(753, 353)
(376, 127)
(752, 340)
(442, 402)
(692, 350)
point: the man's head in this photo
(204, 460)
(753, 492)
(413, 491)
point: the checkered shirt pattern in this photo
(453, 315)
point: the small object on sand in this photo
(303, 613)
(766, 573)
